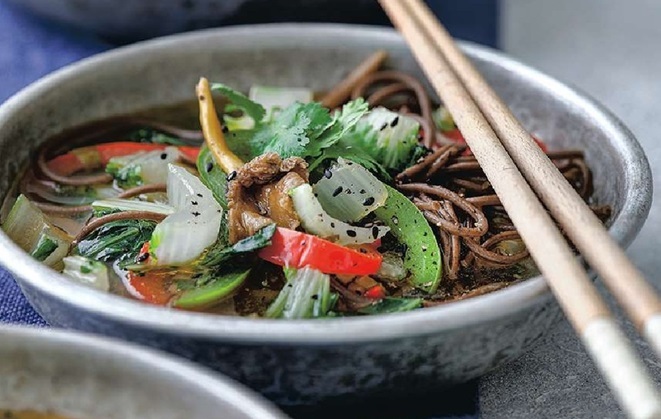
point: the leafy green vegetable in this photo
(392, 305)
(212, 176)
(343, 122)
(44, 248)
(150, 135)
(252, 109)
(305, 295)
(386, 136)
(117, 240)
(220, 251)
(126, 175)
(214, 291)
(408, 224)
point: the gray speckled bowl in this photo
(295, 362)
(91, 377)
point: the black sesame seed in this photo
(351, 233)
(164, 156)
(384, 126)
(369, 201)
(200, 195)
(349, 192)
(394, 122)
(209, 167)
(142, 257)
(375, 232)
(303, 243)
(328, 174)
(195, 213)
(362, 191)
(193, 202)
(315, 297)
(225, 129)
(231, 176)
(337, 191)
(332, 225)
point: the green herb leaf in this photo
(252, 109)
(118, 240)
(292, 130)
(221, 252)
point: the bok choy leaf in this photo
(349, 192)
(306, 295)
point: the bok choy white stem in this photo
(183, 236)
(318, 222)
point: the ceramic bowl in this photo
(299, 362)
(84, 376)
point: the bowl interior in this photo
(91, 377)
(164, 72)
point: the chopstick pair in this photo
(507, 153)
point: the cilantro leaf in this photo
(292, 130)
(252, 109)
(343, 122)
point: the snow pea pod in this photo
(408, 224)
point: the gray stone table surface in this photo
(610, 49)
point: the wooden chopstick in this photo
(626, 283)
(568, 280)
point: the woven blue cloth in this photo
(31, 48)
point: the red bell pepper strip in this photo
(151, 287)
(296, 250)
(96, 156)
(377, 292)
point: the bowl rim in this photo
(217, 385)
(431, 320)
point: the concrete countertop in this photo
(610, 49)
